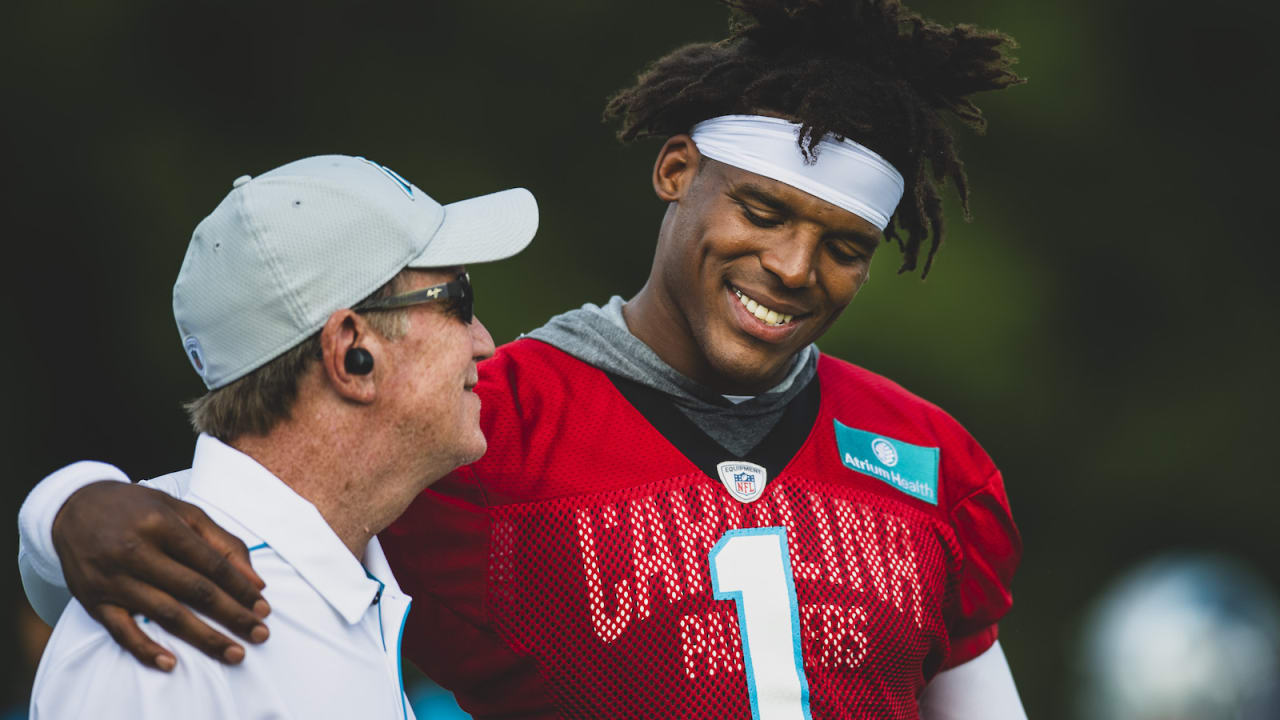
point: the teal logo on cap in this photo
(195, 354)
(405, 186)
(913, 469)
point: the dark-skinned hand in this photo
(129, 549)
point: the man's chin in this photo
(476, 452)
(464, 455)
(748, 373)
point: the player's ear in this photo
(342, 333)
(675, 168)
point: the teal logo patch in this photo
(405, 186)
(913, 469)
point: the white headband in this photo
(846, 174)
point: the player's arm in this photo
(976, 681)
(42, 577)
(979, 689)
(123, 549)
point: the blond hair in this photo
(254, 403)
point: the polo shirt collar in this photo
(239, 486)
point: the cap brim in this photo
(482, 229)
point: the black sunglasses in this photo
(459, 294)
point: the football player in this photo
(686, 510)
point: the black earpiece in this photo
(358, 361)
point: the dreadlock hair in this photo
(872, 71)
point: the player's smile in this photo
(748, 272)
(764, 318)
(766, 310)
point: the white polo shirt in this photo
(335, 622)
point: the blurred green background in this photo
(1106, 325)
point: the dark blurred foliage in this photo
(1106, 325)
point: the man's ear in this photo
(675, 168)
(342, 332)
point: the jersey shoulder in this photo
(970, 488)
(864, 400)
(543, 406)
(527, 367)
(845, 382)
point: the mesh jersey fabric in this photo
(566, 573)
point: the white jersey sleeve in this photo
(979, 689)
(42, 578)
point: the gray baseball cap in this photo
(287, 248)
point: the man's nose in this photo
(481, 341)
(792, 259)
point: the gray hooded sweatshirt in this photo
(599, 337)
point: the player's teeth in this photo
(771, 317)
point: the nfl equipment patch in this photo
(744, 481)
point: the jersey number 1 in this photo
(752, 567)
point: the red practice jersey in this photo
(602, 561)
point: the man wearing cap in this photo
(325, 306)
(687, 510)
